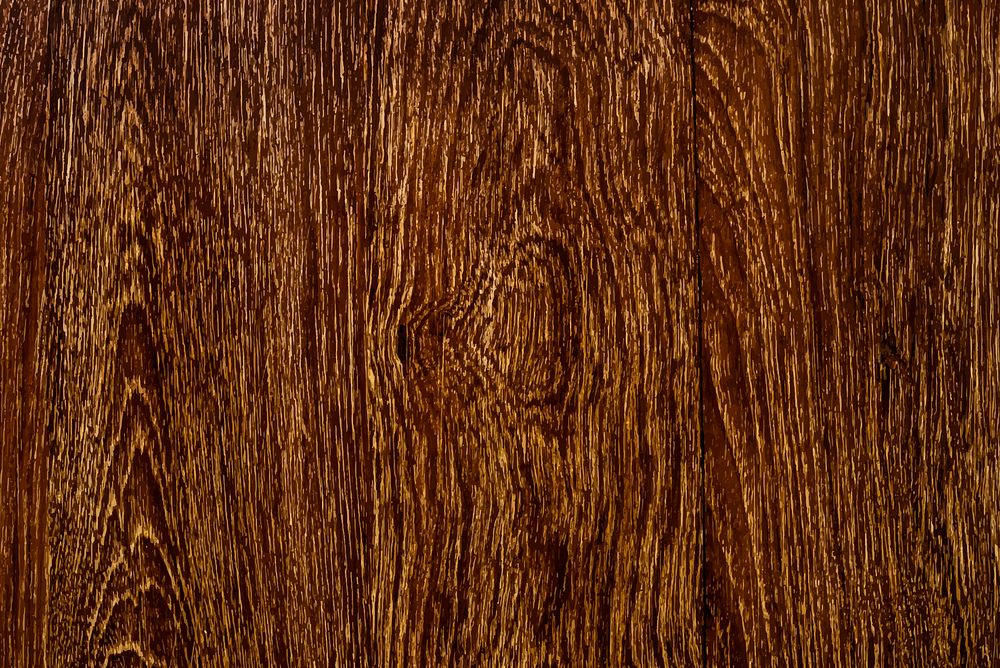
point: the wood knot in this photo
(530, 333)
(891, 358)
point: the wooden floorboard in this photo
(23, 447)
(209, 485)
(531, 335)
(849, 236)
(528, 332)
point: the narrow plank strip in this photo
(23, 452)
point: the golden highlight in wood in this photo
(499, 333)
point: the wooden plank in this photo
(23, 106)
(848, 168)
(206, 497)
(532, 336)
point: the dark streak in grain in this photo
(524, 332)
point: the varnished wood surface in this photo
(849, 240)
(536, 484)
(499, 333)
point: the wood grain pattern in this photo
(23, 100)
(536, 483)
(849, 241)
(521, 332)
(206, 503)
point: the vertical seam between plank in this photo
(40, 608)
(702, 608)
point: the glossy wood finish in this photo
(499, 333)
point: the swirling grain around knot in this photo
(525, 331)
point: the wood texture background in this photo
(631, 332)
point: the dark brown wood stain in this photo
(528, 333)
(848, 215)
